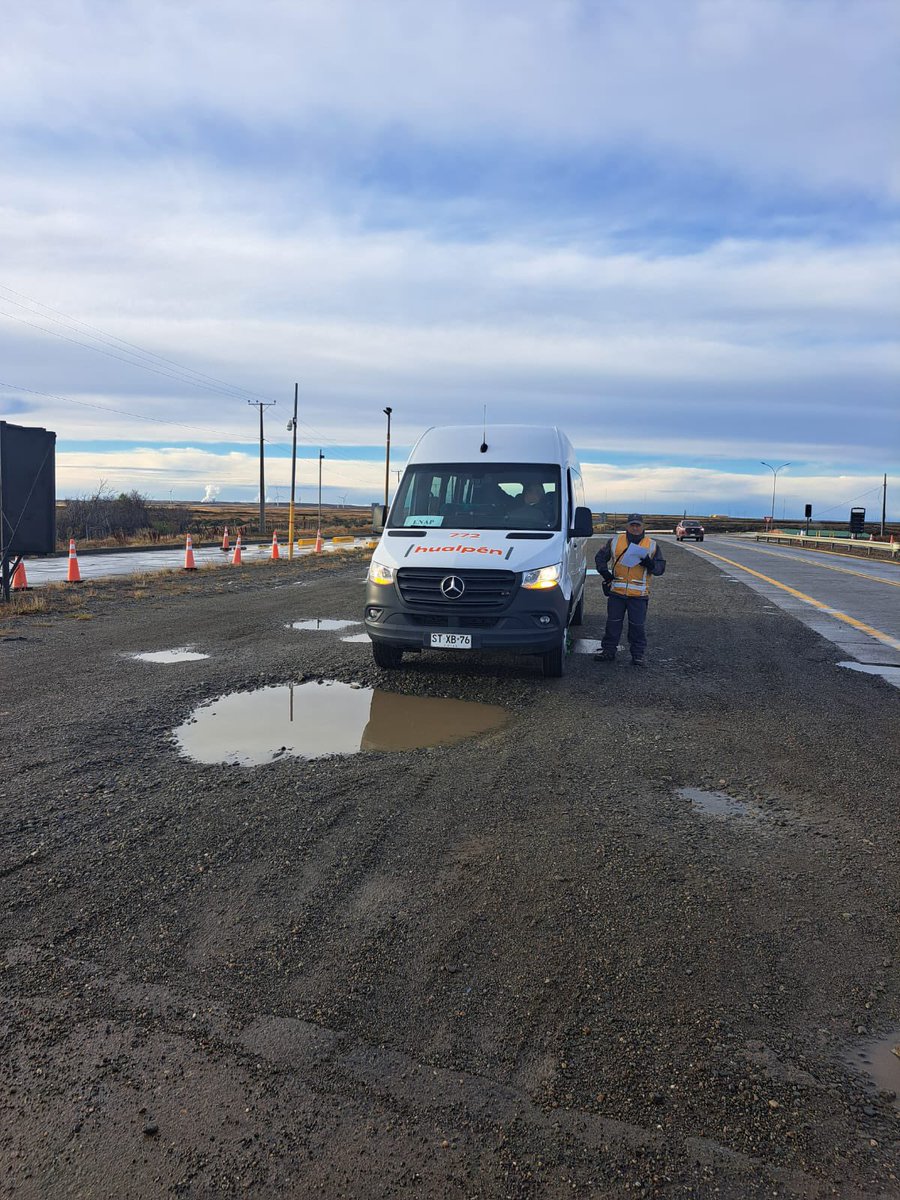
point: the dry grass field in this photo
(207, 522)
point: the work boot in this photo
(637, 662)
(605, 656)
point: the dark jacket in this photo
(655, 564)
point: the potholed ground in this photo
(522, 965)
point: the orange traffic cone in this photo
(19, 582)
(275, 553)
(319, 541)
(74, 575)
(236, 557)
(189, 564)
(225, 541)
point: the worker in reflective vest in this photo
(626, 564)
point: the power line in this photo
(853, 500)
(155, 420)
(183, 374)
(131, 362)
(122, 412)
(113, 337)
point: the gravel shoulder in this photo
(519, 966)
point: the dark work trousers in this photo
(616, 608)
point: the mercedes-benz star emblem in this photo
(452, 587)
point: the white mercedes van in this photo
(483, 548)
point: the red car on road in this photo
(689, 529)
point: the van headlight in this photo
(542, 577)
(380, 573)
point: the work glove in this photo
(647, 562)
(607, 587)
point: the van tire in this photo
(578, 611)
(554, 661)
(386, 656)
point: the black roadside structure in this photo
(27, 496)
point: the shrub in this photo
(105, 516)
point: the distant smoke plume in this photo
(211, 493)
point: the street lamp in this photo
(387, 456)
(774, 471)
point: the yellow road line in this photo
(832, 612)
(825, 566)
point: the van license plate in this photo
(452, 641)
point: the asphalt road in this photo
(526, 965)
(853, 602)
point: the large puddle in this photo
(880, 1061)
(182, 654)
(311, 720)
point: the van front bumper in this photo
(532, 623)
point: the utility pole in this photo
(262, 463)
(292, 425)
(321, 456)
(387, 456)
(883, 503)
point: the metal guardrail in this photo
(886, 551)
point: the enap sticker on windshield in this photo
(426, 520)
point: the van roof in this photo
(505, 443)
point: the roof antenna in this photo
(484, 444)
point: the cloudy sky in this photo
(669, 227)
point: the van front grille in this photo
(482, 590)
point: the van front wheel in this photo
(386, 656)
(554, 661)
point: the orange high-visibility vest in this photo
(629, 581)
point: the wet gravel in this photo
(523, 965)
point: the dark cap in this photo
(634, 519)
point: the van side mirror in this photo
(379, 517)
(583, 524)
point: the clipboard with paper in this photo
(632, 555)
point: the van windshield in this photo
(476, 496)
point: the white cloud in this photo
(700, 491)
(140, 195)
(753, 84)
(186, 472)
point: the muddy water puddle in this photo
(311, 720)
(880, 1061)
(716, 804)
(323, 625)
(181, 654)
